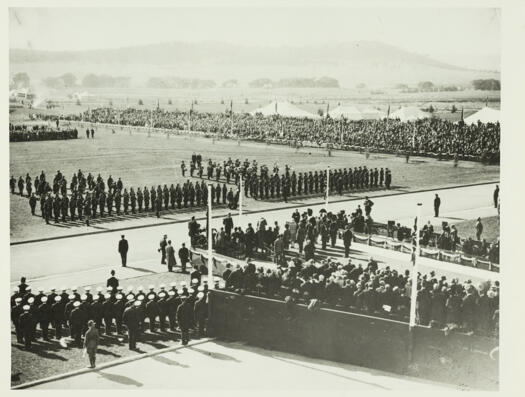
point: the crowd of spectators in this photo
(430, 136)
(372, 290)
(24, 133)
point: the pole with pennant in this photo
(327, 187)
(211, 284)
(240, 197)
(414, 273)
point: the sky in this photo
(468, 37)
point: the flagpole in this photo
(240, 197)
(327, 187)
(231, 117)
(211, 284)
(414, 273)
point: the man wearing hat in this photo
(27, 295)
(123, 250)
(26, 326)
(131, 319)
(100, 295)
(184, 256)
(107, 312)
(170, 253)
(57, 316)
(64, 295)
(347, 240)
(152, 310)
(201, 312)
(172, 303)
(89, 296)
(84, 307)
(67, 310)
(112, 281)
(95, 310)
(76, 322)
(196, 275)
(51, 296)
(33, 310)
(163, 244)
(118, 311)
(185, 319)
(44, 316)
(16, 310)
(75, 293)
(163, 309)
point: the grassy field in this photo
(149, 161)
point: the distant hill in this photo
(351, 63)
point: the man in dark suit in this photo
(112, 281)
(347, 240)
(123, 250)
(184, 256)
(437, 204)
(228, 224)
(163, 244)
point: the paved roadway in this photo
(89, 258)
(235, 366)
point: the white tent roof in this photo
(485, 115)
(346, 111)
(285, 109)
(372, 114)
(409, 113)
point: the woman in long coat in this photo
(91, 343)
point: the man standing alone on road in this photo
(123, 250)
(170, 253)
(479, 229)
(184, 256)
(496, 196)
(162, 249)
(91, 343)
(437, 204)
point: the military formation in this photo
(66, 312)
(260, 183)
(88, 197)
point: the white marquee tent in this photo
(409, 113)
(485, 115)
(285, 109)
(346, 111)
(373, 114)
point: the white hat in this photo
(31, 300)
(200, 295)
(40, 289)
(44, 299)
(58, 298)
(183, 283)
(194, 281)
(26, 308)
(119, 288)
(18, 300)
(161, 286)
(74, 288)
(118, 296)
(99, 289)
(88, 288)
(110, 288)
(53, 289)
(71, 296)
(137, 303)
(83, 297)
(151, 286)
(191, 291)
(63, 288)
(107, 296)
(140, 297)
(171, 292)
(151, 296)
(140, 288)
(162, 294)
(76, 304)
(130, 288)
(130, 297)
(200, 289)
(180, 291)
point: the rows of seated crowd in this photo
(24, 133)
(430, 136)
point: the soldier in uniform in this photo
(73, 206)
(185, 318)
(299, 184)
(57, 315)
(118, 311)
(107, 312)
(96, 310)
(152, 311)
(146, 199)
(76, 321)
(153, 197)
(16, 310)
(125, 198)
(43, 315)
(32, 203)
(25, 323)
(94, 206)
(140, 198)
(218, 193)
(21, 186)
(183, 169)
(133, 200)
(166, 194)
(80, 206)
(12, 185)
(178, 196)
(87, 209)
(56, 207)
(201, 312)
(131, 319)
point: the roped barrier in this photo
(437, 254)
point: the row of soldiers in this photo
(171, 307)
